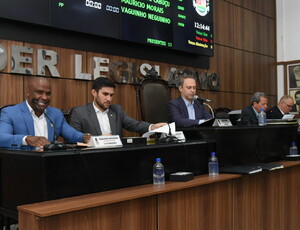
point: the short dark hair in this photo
(182, 78)
(101, 82)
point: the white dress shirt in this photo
(39, 123)
(103, 120)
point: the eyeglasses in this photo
(291, 106)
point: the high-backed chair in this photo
(153, 97)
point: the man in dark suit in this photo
(250, 113)
(284, 106)
(33, 122)
(185, 110)
(101, 118)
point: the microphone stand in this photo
(169, 138)
(212, 112)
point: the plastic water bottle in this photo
(262, 118)
(293, 149)
(158, 172)
(213, 165)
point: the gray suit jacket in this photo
(84, 119)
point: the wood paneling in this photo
(292, 206)
(65, 93)
(11, 89)
(129, 215)
(223, 23)
(191, 207)
(265, 7)
(223, 64)
(258, 205)
(245, 29)
(202, 208)
(266, 200)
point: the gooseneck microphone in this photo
(196, 97)
(54, 145)
(168, 138)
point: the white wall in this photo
(288, 36)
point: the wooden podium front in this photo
(266, 200)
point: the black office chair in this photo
(221, 112)
(153, 96)
(67, 113)
(3, 106)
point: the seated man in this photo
(33, 122)
(284, 106)
(100, 117)
(185, 110)
(250, 113)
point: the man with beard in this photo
(33, 122)
(100, 117)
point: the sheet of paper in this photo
(288, 116)
(164, 129)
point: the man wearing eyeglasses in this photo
(284, 106)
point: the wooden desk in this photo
(29, 177)
(244, 145)
(267, 200)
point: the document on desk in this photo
(164, 129)
(288, 116)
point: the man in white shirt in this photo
(100, 117)
(33, 122)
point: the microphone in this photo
(168, 138)
(54, 145)
(196, 97)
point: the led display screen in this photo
(185, 25)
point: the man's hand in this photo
(157, 125)
(37, 141)
(86, 137)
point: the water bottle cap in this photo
(293, 143)
(213, 153)
(158, 160)
(261, 109)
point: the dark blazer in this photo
(249, 117)
(274, 113)
(84, 119)
(178, 112)
(17, 122)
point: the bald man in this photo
(284, 106)
(33, 122)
